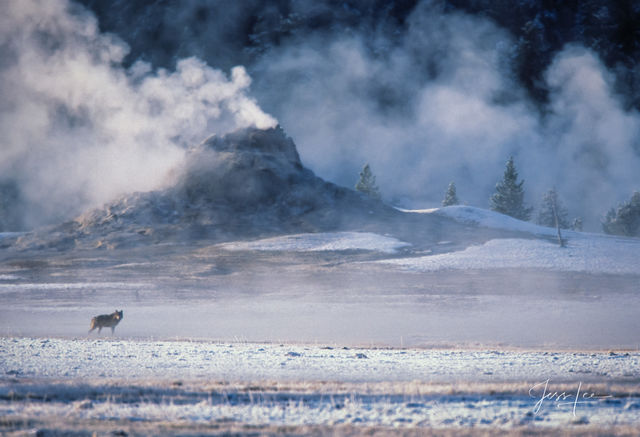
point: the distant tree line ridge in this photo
(508, 199)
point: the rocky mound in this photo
(246, 184)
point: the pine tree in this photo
(625, 220)
(450, 197)
(551, 208)
(367, 183)
(509, 196)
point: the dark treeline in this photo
(231, 33)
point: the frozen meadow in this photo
(143, 386)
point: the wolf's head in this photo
(117, 315)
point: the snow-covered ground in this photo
(322, 241)
(487, 219)
(589, 254)
(348, 287)
(87, 382)
(89, 358)
(584, 252)
(281, 334)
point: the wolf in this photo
(106, 321)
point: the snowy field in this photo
(143, 386)
(584, 252)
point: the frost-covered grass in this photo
(93, 403)
(322, 241)
(88, 358)
(57, 383)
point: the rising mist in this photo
(440, 104)
(80, 128)
(426, 98)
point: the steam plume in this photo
(78, 128)
(440, 104)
